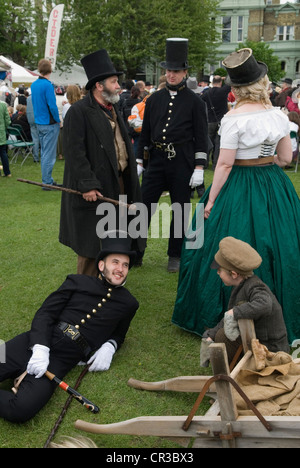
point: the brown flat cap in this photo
(236, 255)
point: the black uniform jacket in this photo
(179, 119)
(91, 164)
(106, 311)
(216, 100)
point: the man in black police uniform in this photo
(85, 315)
(175, 130)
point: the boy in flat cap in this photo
(250, 299)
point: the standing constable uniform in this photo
(175, 130)
(85, 314)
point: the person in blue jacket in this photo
(46, 117)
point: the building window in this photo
(240, 28)
(283, 65)
(298, 67)
(226, 28)
(285, 33)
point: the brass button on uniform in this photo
(88, 316)
(82, 321)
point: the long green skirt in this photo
(258, 205)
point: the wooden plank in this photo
(188, 383)
(247, 332)
(219, 362)
(214, 410)
(202, 427)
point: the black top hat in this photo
(98, 66)
(116, 242)
(243, 69)
(205, 78)
(176, 54)
(286, 80)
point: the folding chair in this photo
(19, 145)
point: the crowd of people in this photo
(251, 215)
(39, 112)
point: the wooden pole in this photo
(131, 207)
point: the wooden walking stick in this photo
(65, 408)
(130, 207)
(84, 401)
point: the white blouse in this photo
(254, 134)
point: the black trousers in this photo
(173, 175)
(33, 394)
(213, 128)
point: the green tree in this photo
(263, 53)
(135, 31)
(17, 31)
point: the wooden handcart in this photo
(221, 426)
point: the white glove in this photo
(140, 170)
(204, 352)
(101, 360)
(197, 178)
(231, 327)
(39, 361)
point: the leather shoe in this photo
(173, 264)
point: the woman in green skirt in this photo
(251, 199)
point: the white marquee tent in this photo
(74, 76)
(19, 74)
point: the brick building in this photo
(275, 23)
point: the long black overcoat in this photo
(91, 163)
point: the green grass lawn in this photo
(33, 264)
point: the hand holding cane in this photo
(130, 207)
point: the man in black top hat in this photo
(85, 315)
(286, 90)
(175, 131)
(204, 83)
(99, 160)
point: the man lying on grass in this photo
(86, 319)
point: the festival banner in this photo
(52, 40)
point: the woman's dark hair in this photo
(135, 92)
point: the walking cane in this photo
(131, 207)
(65, 408)
(84, 401)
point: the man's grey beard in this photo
(112, 98)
